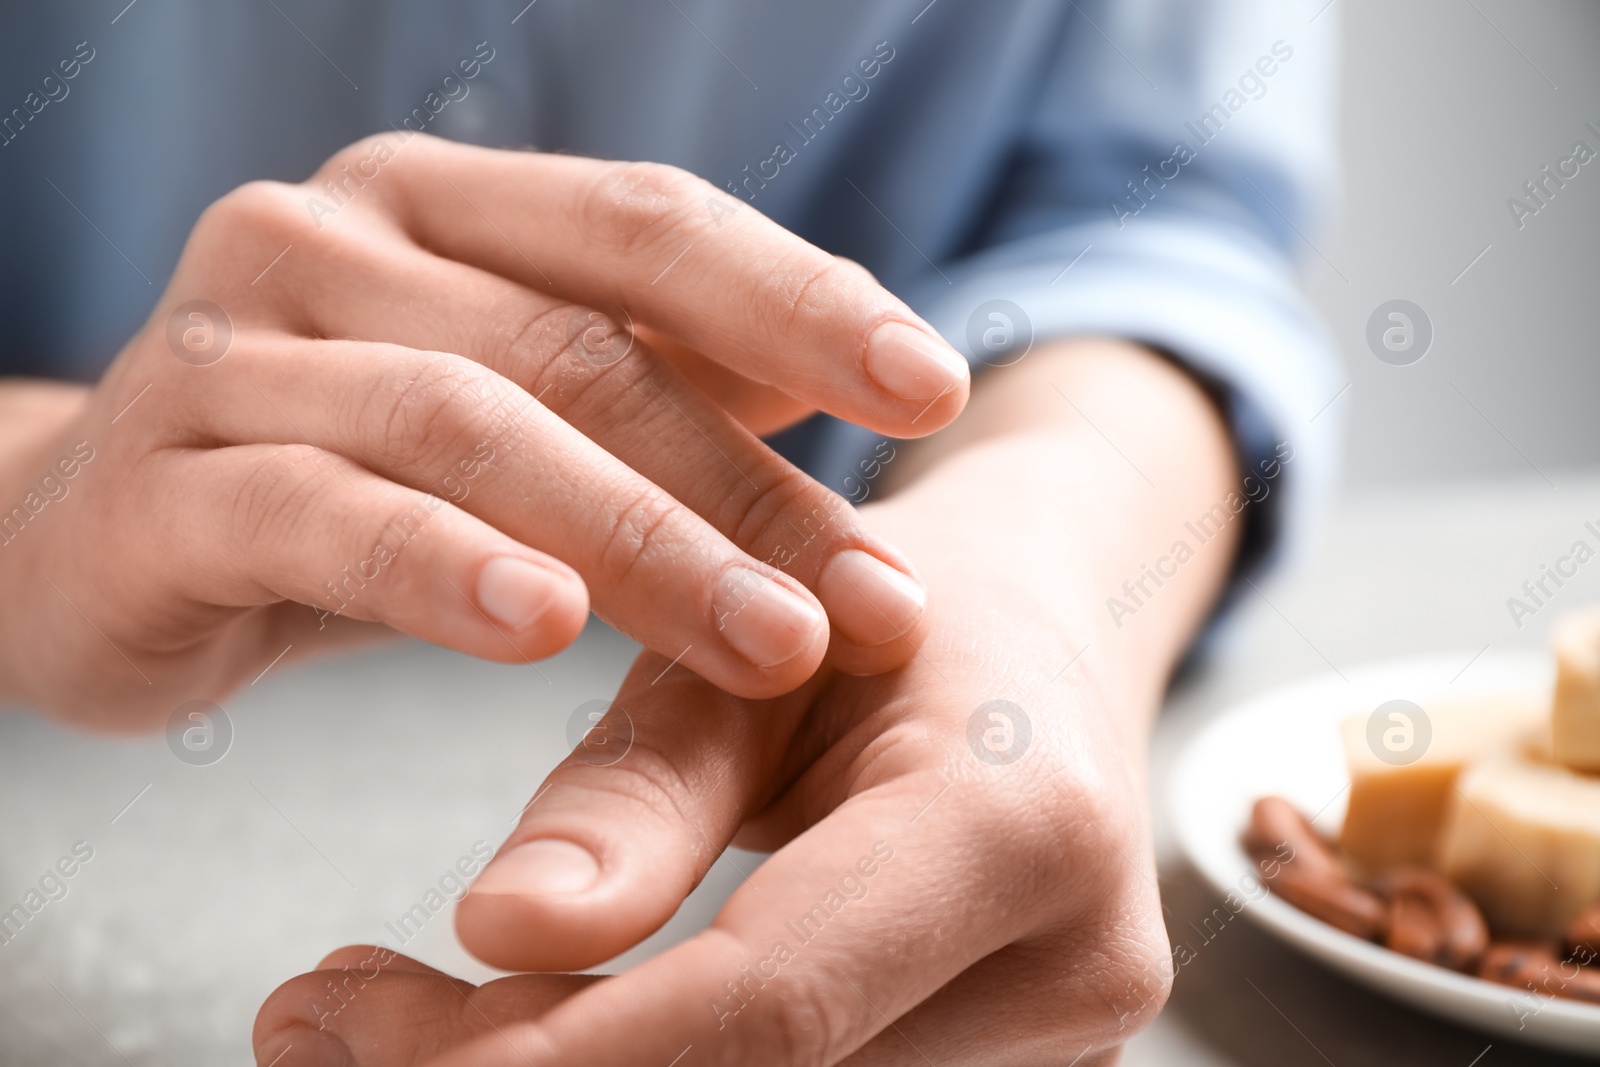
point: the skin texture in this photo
(1010, 914)
(402, 374)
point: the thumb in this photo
(624, 829)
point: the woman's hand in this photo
(387, 395)
(963, 871)
(963, 851)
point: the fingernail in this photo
(514, 592)
(301, 1046)
(764, 622)
(546, 866)
(869, 601)
(912, 364)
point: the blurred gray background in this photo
(1449, 106)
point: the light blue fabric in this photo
(966, 151)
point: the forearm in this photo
(1073, 473)
(33, 415)
(32, 412)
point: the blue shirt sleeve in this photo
(1176, 157)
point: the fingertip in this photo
(911, 420)
(344, 956)
(545, 907)
(285, 1029)
(585, 877)
(537, 604)
(869, 602)
(847, 657)
(773, 631)
(911, 363)
(543, 867)
(938, 414)
(518, 591)
(533, 907)
(303, 1046)
(373, 957)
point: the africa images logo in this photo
(999, 732)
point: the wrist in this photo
(35, 420)
(32, 413)
(1072, 481)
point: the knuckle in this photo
(804, 1027)
(529, 345)
(260, 207)
(631, 205)
(801, 286)
(362, 158)
(638, 520)
(648, 779)
(344, 159)
(1040, 865)
(811, 285)
(541, 352)
(350, 179)
(1134, 977)
(277, 493)
(1102, 842)
(605, 398)
(377, 540)
(791, 513)
(1106, 978)
(430, 414)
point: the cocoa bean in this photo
(1300, 866)
(1429, 919)
(1582, 936)
(1540, 968)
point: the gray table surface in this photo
(351, 785)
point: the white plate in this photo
(1287, 743)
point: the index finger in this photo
(691, 261)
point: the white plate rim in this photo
(1215, 853)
